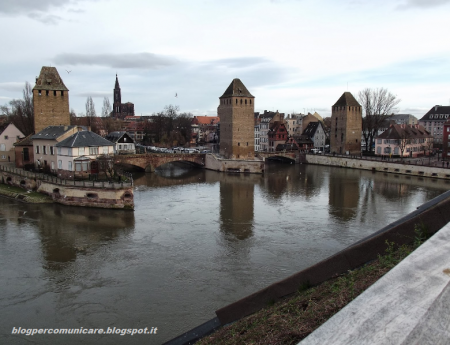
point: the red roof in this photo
(206, 120)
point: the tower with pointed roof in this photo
(346, 125)
(236, 113)
(50, 100)
(121, 110)
(117, 98)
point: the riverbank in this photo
(23, 195)
(295, 317)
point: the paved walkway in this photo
(409, 305)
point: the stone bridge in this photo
(281, 155)
(150, 161)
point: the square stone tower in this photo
(237, 124)
(50, 100)
(346, 125)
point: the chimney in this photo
(436, 107)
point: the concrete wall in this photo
(396, 168)
(95, 196)
(230, 165)
(89, 197)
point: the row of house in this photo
(69, 151)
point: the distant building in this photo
(77, 154)
(24, 154)
(434, 120)
(316, 132)
(277, 135)
(236, 113)
(10, 135)
(121, 110)
(204, 129)
(123, 142)
(50, 100)
(346, 125)
(404, 119)
(266, 120)
(44, 142)
(404, 140)
(446, 140)
(303, 121)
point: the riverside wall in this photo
(379, 166)
(233, 165)
(72, 193)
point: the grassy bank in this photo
(290, 320)
(24, 195)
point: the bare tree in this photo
(91, 115)
(73, 117)
(106, 110)
(378, 106)
(21, 111)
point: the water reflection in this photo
(236, 205)
(343, 194)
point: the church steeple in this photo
(117, 98)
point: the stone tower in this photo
(50, 100)
(346, 125)
(117, 99)
(236, 113)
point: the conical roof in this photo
(236, 88)
(49, 79)
(117, 83)
(348, 100)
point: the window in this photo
(6, 137)
(37, 149)
(105, 150)
(44, 149)
(58, 150)
(69, 151)
(52, 150)
(120, 147)
(60, 164)
(81, 151)
(53, 165)
(70, 166)
(93, 150)
(2, 147)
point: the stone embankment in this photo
(70, 192)
(379, 166)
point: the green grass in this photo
(31, 197)
(292, 319)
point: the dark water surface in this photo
(197, 241)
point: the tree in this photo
(91, 115)
(73, 117)
(106, 110)
(21, 111)
(378, 106)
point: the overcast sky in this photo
(292, 55)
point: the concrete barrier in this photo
(380, 166)
(435, 214)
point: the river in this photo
(197, 241)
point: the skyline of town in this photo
(295, 56)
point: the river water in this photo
(197, 241)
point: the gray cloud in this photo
(131, 61)
(422, 4)
(37, 9)
(44, 18)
